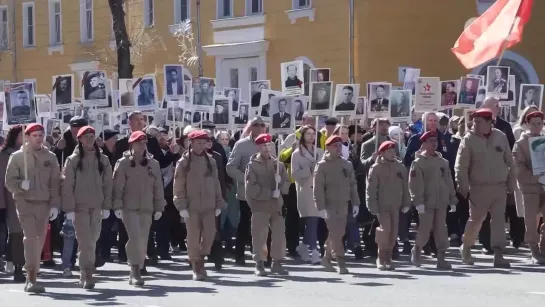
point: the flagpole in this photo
(505, 42)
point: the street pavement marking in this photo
(538, 293)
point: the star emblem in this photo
(427, 87)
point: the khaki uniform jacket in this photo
(334, 183)
(195, 189)
(484, 160)
(43, 173)
(138, 188)
(527, 181)
(6, 199)
(387, 187)
(430, 182)
(86, 188)
(260, 184)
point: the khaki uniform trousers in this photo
(482, 200)
(336, 225)
(433, 220)
(137, 225)
(34, 218)
(386, 234)
(533, 205)
(201, 231)
(87, 225)
(261, 222)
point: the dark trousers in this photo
(456, 222)
(293, 229)
(107, 236)
(151, 250)
(163, 230)
(244, 234)
(3, 231)
(15, 251)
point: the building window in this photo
(4, 36)
(254, 7)
(301, 4)
(233, 76)
(29, 22)
(55, 23)
(86, 21)
(149, 13)
(225, 8)
(182, 11)
(253, 73)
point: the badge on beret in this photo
(413, 173)
(345, 172)
(499, 149)
(47, 163)
(400, 175)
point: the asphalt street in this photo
(170, 284)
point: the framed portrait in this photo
(222, 112)
(530, 95)
(293, 82)
(203, 94)
(427, 94)
(409, 83)
(300, 107)
(379, 99)
(173, 81)
(449, 94)
(537, 154)
(361, 108)
(98, 119)
(469, 90)
(174, 116)
(497, 81)
(234, 94)
(320, 74)
(63, 91)
(19, 104)
(481, 95)
(43, 105)
(51, 124)
(511, 99)
(264, 110)
(345, 99)
(255, 94)
(160, 117)
(282, 117)
(144, 93)
(95, 88)
(321, 96)
(480, 77)
(400, 105)
(241, 119)
(126, 93)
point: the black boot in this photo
(358, 253)
(18, 275)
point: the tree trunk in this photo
(123, 44)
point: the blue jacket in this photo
(443, 147)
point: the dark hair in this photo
(97, 155)
(284, 100)
(21, 92)
(134, 113)
(144, 160)
(380, 85)
(11, 138)
(348, 87)
(303, 130)
(208, 163)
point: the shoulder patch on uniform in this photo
(400, 175)
(499, 149)
(47, 163)
(413, 173)
(443, 171)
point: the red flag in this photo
(500, 27)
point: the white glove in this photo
(355, 210)
(157, 215)
(218, 212)
(276, 193)
(184, 213)
(25, 185)
(53, 213)
(105, 214)
(277, 178)
(452, 208)
(71, 216)
(323, 213)
(119, 214)
(420, 208)
(405, 209)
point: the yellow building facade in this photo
(246, 40)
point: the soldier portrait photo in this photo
(173, 80)
(320, 74)
(145, 92)
(63, 91)
(242, 117)
(282, 113)
(449, 93)
(379, 97)
(346, 96)
(221, 111)
(94, 87)
(255, 91)
(530, 95)
(300, 107)
(43, 104)
(320, 98)
(126, 93)
(234, 94)
(292, 78)
(497, 81)
(468, 92)
(20, 103)
(203, 93)
(400, 105)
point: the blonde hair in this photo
(522, 117)
(189, 129)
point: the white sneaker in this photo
(315, 257)
(9, 267)
(67, 273)
(302, 250)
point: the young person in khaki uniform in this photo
(335, 187)
(198, 197)
(532, 187)
(485, 173)
(87, 198)
(137, 196)
(432, 191)
(37, 196)
(387, 192)
(263, 186)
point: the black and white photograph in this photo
(264, 110)
(95, 88)
(481, 95)
(411, 75)
(361, 108)
(221, 115)
(63, 91)
(174, 115)
(482, 79)
(203, 94)
(19, 103)
(400, 105)
(126, 93)
(43, 105)
(321, 94)
(282, 114)
(160, 117)
(234, 95)
(530, 95)
(188, 117)
(449, 94)
(497, 81)
(346, 96)
(469, 89)
(379, 99)
(300, 105)
(511, 99)
(98, 118)
(241, 119)
(145, 93)
(320, 74)
(255, 94)
(51, 124)
(173, 80)
(293, 82)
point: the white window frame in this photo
(26, 43)
(147, 13)
(177, 18)
(83, 21)
(52, 23)
(219, 7)
(296, 6)
(249, 8)
(6, 25)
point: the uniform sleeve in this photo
(319, 186)
(220, 201)
(453, 200)
(354, 196)
(233, 164)
(119, 185)
(107, 184)
(461, 167)
(14, 176)
(285, 183)
(253, 191)
(159, 201)
(55, 183)
(371, 193)
(416, 184)
(179, 186)
(299, 173)
(508, 158)
(68, 185)
(522, 166)
(365, 154)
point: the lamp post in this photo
(199, 43)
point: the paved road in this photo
(170, 284)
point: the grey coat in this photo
(6, 198)
(243, 150)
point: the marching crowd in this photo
(213, 195)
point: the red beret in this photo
(33, 128)
(333, 139)
(482, 113)
(263, 139)
(427, 135)
(137, 136)
(198, 135)
(85, 130)
(534, 114)
(386, 145)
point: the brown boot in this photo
(277, 268)
(537, 258)
(466, 255)
(442, 263)
(31, 286)
(135, 278)
(342, 266)
(416, 256)
(499, 261)
(381, 263)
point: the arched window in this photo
(307, 66)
